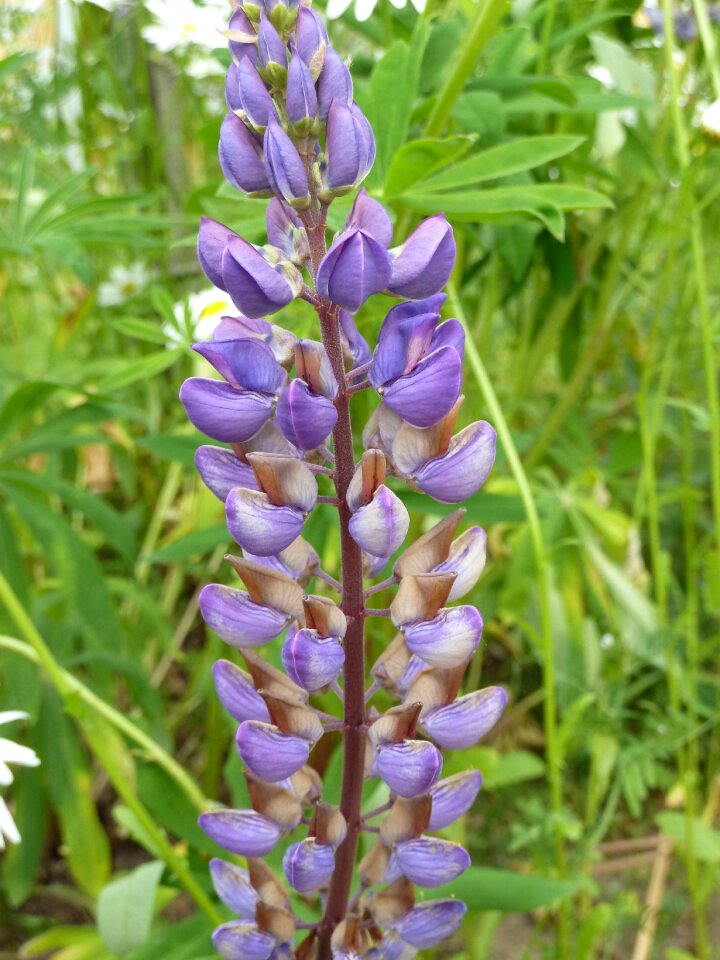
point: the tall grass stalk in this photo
(553, 744)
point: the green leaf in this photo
(505, 159)
(484, 888)
(70, 785)
(67, 943)
(200, 542)
(389, 114)
(21, 862)
(174, 447)
(186, 940)
(142, 329)
(418, 159)
(494, 203)
(143, 368)
(705, 840)
(125, 908)
(483, 508)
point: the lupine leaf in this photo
(125, 908)
(417, 160)
(484, 888)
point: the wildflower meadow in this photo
(359, 480)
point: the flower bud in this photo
(449, 468)
(308, 865)
(255, 100)
(466, 721)
(285, 167)
(241, 831)
(355, 267)
(311, 40)
(453, 797)
(276, 801)
(233, 887)
(269, 753)
(286, 232)
(213, 237)
(258, 284)
(431, 922)
(372, 217)
(334, 83)
(423, 264)
(221, 470)
(429, 862)
(267, 522)
(272, 53)
(307, 419)
(409, 768)
(241, 159)
(381, 526)
(242, 39)
(237, 693)
(312, 661)
(301, 101)
(349, 151)
(449, 639)
(467, 560)
(242, 941)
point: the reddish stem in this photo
(354, 609)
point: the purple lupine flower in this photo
(282, 411)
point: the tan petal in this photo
(293, 717)
(419, 597)
(407, 819)
(324, 616)
(435, 687)
(397, 724)
(393, 902)
(431, 548)
(270, 679)
(277, 921)
(274, 801)
(390, 665)
(269, 587)
(267, 886)
(285, 480)
(413, 446)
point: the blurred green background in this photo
(575, 148)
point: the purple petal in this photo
(270, 754)
(452, 797)
(236, 619)
(286, 232)
(232, 90)
(462, 723)
(353, 341)
(301, 104)
(423, 264)
(350, 149)
(431, 922)
(311, 38)
(238, 49)
(307, 419)
(430, 862)
(308, 864)
(334, 82)
(298, 561)
(237, 693)
(465, 467)
(271, 49)
(450, 334)
(254, 96)
(467, 560)
(381, 526)
(222, 412)
(241, 159)
(233, 887)
(243, 941)
(429, 393)
(258, 525)
(256, 286)
(312, 661)
(241, 831)
(221, 470)
(213, 237)
(449, 639)
(409, 768)
(402, 343)
(355, 267)
(247, 363)
(371, 216)
(284, 166)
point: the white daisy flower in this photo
(197, 316)
(123, 283)
(710, 120)
(11, 752)
(182, 24)
(364, 8)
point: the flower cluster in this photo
(294, 134)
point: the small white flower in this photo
(364, 8)
(710, 120)
(123, 283)
(182, 24)
(11, 752)
(197, 316)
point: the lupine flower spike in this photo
(279, 406)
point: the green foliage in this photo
(585, 208)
